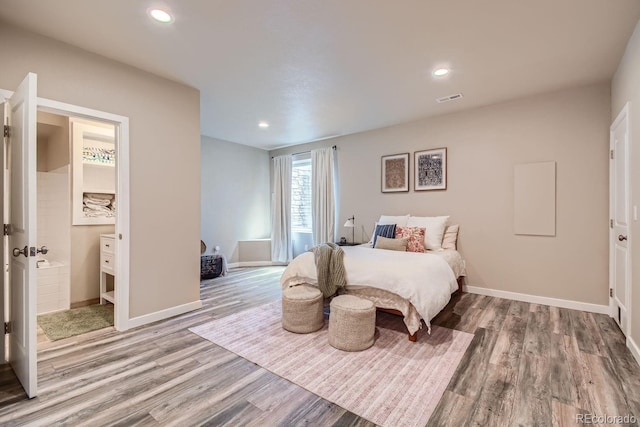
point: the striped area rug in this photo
(393, 383)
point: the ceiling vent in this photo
(449, 98)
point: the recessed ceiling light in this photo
(161, 16)
(263, 124)
(439, 72)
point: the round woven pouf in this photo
(352, 323)
(302, 309)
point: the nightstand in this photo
(348, 244)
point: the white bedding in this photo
(424, 279)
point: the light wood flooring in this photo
(527, 365)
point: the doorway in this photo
(76, 205)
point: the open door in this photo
(3, 250)
(619, 232)
(21, 122)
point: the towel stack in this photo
(98, 205)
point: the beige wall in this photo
(164, 156)
(57, 147)
(570, 127)
(625, 88)
(235, 195)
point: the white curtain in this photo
(281, 244)
(323, 201)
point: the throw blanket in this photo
(330, 267)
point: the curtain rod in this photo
(334, 147)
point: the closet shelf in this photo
(98, 190)
(98, 165)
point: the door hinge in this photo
(7, 131)
(7, 327)
(611, 154)
(610, 223)
(6, 230)
(611, 292)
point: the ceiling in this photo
(318, 69)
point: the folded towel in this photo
(99, 196)
(96, 209)
(97, 214)
(96, 202)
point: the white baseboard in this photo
(163, 314)
(635, 350)
(253, 264)
(555, 302)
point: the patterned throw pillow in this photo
(415, 236)
(384, 230)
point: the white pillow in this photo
(400, 221)
(434, 229)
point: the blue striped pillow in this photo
(384, 230)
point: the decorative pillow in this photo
(384, 230)
(391, 244)
(449, 241)
(434, 227)
(415, 236)
(400, 220)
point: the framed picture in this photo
(395, 173)
(430, 169)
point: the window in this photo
(301, 195)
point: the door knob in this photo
(620, 237)
(43, 250)
(24, 251)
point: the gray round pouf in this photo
(302, 309)
(352, 323)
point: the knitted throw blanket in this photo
(330, 267)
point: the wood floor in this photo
(527, 365)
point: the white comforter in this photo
(425, 279)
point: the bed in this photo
(416, 285)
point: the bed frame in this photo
(414, 337)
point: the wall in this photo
(625, 87)
(164, 132)
(56, 151)
(235, 195)
(570, 127)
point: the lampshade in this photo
(351, 222)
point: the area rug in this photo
(394, 383)
(77, 321)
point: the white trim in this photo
(164, 314)
(555, 302)
(121, 316)
(255, 264)
(635, 350)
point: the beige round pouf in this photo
(302, 309)
(352, 323)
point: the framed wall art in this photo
(430, 169)
(395, 173)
